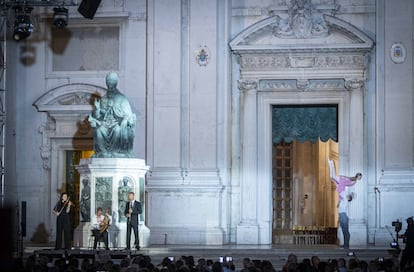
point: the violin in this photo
(66, 202)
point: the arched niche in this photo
(278, 65)
(65, 127)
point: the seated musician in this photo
(99, 227)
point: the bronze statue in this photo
(113, 123)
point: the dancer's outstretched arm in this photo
(332, 171)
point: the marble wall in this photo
(175, 65)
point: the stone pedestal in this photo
(105, 183)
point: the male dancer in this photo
(343, 217)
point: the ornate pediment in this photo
(69, 98)
(303, 41)
(67, 108)
(303, 28)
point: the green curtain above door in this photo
(304, 123)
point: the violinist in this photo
(62, 211)
(99, 227)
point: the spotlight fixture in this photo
(22, 27)
(60, 17)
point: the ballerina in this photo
(342, 181)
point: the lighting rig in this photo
(23, 26)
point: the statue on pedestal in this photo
(85, 201)
(113, 123)
(123, 190)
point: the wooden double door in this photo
(304, 198)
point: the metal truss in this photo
(3, 33)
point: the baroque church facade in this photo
(206, 80)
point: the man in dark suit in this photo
(407, 257)
(132, 210)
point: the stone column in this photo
(248, 230)
(358, 222)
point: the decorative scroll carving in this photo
(46, 130)
(304, 21)
(354, 84)
(260, 61)
(76, 99)
(246, 85)
(45, 152)
(302, 84)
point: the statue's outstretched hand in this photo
(97, 104)
(93, 122)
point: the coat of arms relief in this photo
(304, 21)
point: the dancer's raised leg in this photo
(332, 171)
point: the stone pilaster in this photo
(248, 229)
(358, 224)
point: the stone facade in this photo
(202, 76)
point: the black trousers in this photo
(136, 234)
(63, 231)
(97, 235)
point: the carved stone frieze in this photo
(302, 85)
(76, 99)
(270, 85)
(273, 61)
(301, 62)
(263, 62)
(326, 84)
(340, 61)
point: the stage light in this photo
(60, 17)
(22, 27)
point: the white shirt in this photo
(343, 204)
(97, 221)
